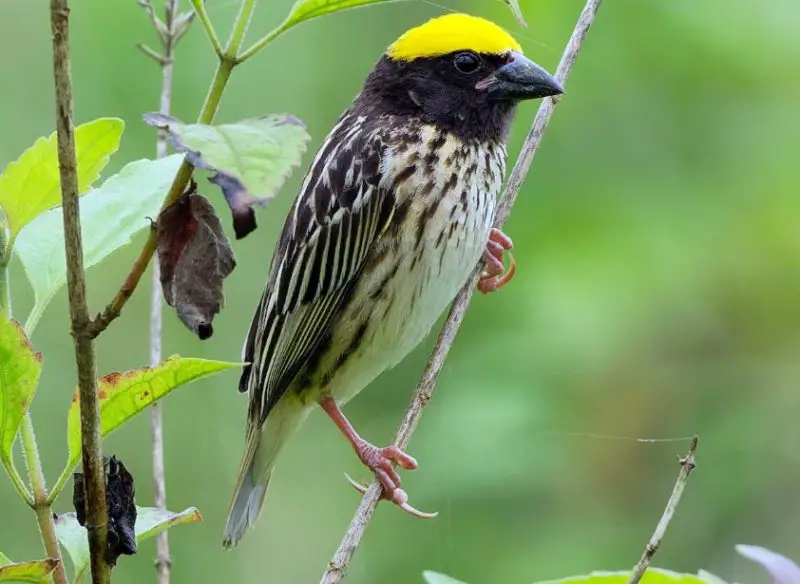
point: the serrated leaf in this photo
(110, 216)
(437, 578)
(20, 367)
(36, 571)
(307, 9)
(149, 522)
(123, 395)
(31, 184)
(651, 576)
(782, 569)
(251, 159)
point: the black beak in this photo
(520, 78)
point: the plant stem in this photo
(163, 562)
(239, 30)
(687, 466)
(93, 470)
(5, 255)
(202, 15)
(341, 560)
(262, 42)
(41, 505)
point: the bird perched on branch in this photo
(392, 218)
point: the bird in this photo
(393, 216)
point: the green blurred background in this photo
(658, 295)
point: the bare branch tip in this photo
(153, 54)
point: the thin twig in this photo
(94, 473)
(41, 505)
(169, 40)
(341, 559)
(687, 466)
(200, 10)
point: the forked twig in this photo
(341, 560)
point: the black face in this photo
(473, 95)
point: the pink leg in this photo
(495, 275)
(380, 461)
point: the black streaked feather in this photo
(335, 221)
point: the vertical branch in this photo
(170, 31)
(337, 567)
(94, 473)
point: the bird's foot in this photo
(495, 276)
(381, 461)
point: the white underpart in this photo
(424, 292)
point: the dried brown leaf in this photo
(195, 256)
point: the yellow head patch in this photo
(450, 33)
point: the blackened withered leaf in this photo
(250, 159)
(195, 256)
(121, 507)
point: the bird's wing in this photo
(336, 219)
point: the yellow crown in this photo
(450, 33)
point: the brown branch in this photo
(94, 473)
(341, 560)
(687, 466)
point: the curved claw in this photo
(405, 506)
(360, 487)
(417, 513)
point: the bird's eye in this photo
(467, 62)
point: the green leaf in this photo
(31, 184)
(20, 366)
(307, 9)
(251, 158)
(710, 578)
(123, 395)
(437, 578)
(651, 576)
(149, 522)
(110, 216)
(36, 571)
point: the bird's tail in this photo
(263, 446)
